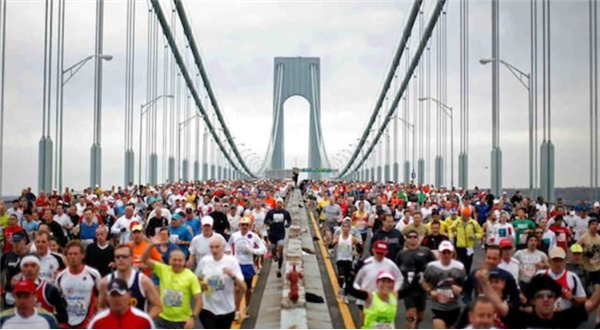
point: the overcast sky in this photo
(239, 40)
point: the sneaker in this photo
(237, 316)
(278, 274)
(346, 301)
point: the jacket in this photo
(465, 236)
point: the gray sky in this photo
(355, 41)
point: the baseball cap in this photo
(597, 204)
(446, 246)
(117, 285)
(279, 200)
(557, 253)
(207, 221)
(17, 237)
(576, 248)
(245, 220)
(137, 227)
(380, 247)
(506, 243)
(25, 286)
(466, 212)
(387, 275)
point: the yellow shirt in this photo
(443, 228)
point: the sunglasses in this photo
(412, 236)
(244, 224)
(122, 256)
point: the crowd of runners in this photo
(168, 256)
(540, 266)
(185, 254)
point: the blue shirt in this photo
(184, 235)
(87, 232)
(482, 210)
(30, 227)
(194, 223)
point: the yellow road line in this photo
(238, 324)
(344, 310)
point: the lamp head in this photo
(107, 58)
(485, 61)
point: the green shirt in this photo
(381, 314)
(521, 226)
(176, 292)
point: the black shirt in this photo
(394, 240)
(154, 224)
(433, 241)
(100, 258)
(11, 263)
(220, 223)
(277, 221)
(567, 319)
(412, 264)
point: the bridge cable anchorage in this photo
(414, 62)
(387, 83)
(190, 83)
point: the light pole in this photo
(411, 128)
(142, 113)
(181, 126)
(448, 112)
(69, 73)
(525, 80)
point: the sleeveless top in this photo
(41, 299)
(381, 314)
(344, 248)
(138, 296)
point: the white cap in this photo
(446, 246)
(207, 220)
(597, 204)
(279, 200)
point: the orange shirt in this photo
(270, 201)
(138, 250)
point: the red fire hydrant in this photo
(294, 277)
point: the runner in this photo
(179, 289)
(120, 314)
(245, 245)
(219, 274)
(11, 266)
(590, 242)
(278, 219)
(79, 285)
(25, 315)
(443, 281)
(143, 293)
(51, 263)
(572, 289)
(542, 292)
(381, 305)
(48, 296)
(412, 262)
(345, 245)
(531, 260)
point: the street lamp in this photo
(448, 112)
(70, 71)
(181, 126)
(142, 113)
(525, 80)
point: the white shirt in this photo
(199, 246)
(18, 213)
(123, 222)
(512, 267)
(219, 299)
(245, 247)
(79, 290)
(43, 320)
(366, 279)
(574, 284)
(64, 221)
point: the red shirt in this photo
(132, 319)
(562, 236)
(8, 234)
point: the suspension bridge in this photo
(183, 134)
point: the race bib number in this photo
(522, 238)
(529, 270)
(173, 298)
(445, 295)
(216, 283)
